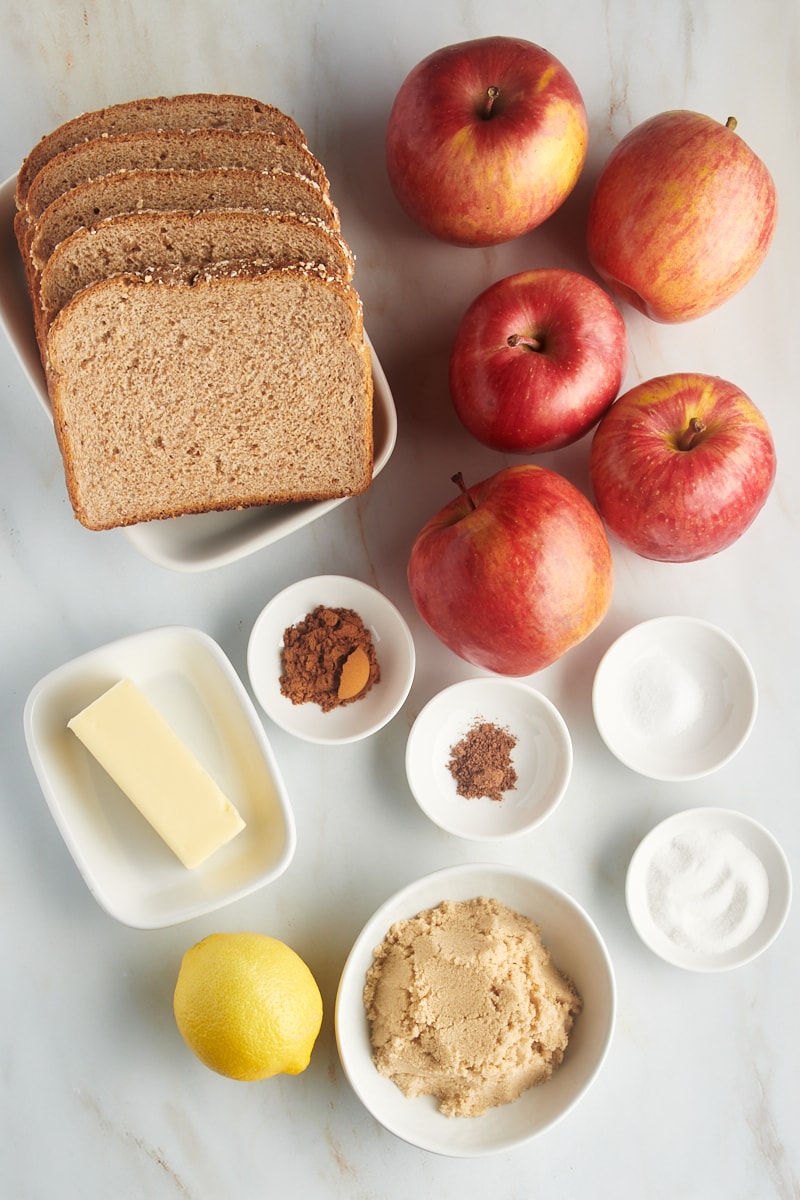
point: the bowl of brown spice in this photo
(488, 758)
(330, 659)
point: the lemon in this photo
(247, 1005)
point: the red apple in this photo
(680, 466)
(682, 216)
(485, 140)
(514, 571)
(537, 359)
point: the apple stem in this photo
(458, 479)
(731, 123)
(491, 95)
(690, 434)
(522, 339)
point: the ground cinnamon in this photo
(481, 762)
(315, 656)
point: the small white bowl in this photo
(707, 894)
(542, 758)
(128, 869)
(578, 951)
(394, 647)
(674, 698)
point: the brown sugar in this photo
(481, 762)
(465, 1004)
(328, 659)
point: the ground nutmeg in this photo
(481, 764)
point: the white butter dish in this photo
(131, 873)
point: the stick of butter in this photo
(157, 772)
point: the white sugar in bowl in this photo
(674, 698)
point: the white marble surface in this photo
(98, 1095)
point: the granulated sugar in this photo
(707, 891)
(665, 697)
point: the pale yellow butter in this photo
(157, 772)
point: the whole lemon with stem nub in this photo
(248, 1006)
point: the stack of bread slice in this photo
(195, 310)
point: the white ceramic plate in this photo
(756, 839)
(195, 542)
(674, 698)
(129, 870)
(542, 758)
(394, 647)
(577, 949)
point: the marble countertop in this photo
(698, 1098)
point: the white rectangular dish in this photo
(128, 869)
(190, 543)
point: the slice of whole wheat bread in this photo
(198, 110)
(246, 386)
(88, 203)
(153, 242)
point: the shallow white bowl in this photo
(194, 542)
(542, 758)
(577, 949)
(755, 838)
(129, 870)
(393, 643)
(674, 698)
